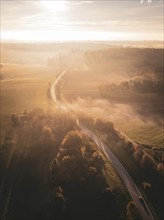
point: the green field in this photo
(144, 133)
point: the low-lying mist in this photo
(103, 109)
(142, 87)
(129, 79)
(144, 94)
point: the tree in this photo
(138, 153)
(72, 143)
(54, 172)
(129, 147)
(147, 186)
(132, 212)
(147, 162)
(160, 169)
(15, 120)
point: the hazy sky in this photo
(82, 20)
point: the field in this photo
(23, 88)
(144, 133)
(129, 94)
(24, 80)
(124, 94)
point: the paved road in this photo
(129, 183)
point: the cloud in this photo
(144, 22)
(81, 2)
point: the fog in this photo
(144, 94)
(142, 82)
(101, 108)
(113, 82)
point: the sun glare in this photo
(55, 5)
(64, 35)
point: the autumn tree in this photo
(132, 212)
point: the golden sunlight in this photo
(66, 35)
(55, 6)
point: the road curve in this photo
(137, 197)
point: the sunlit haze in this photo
(81, 20)
(81, 116)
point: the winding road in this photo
(136, 195)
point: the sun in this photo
(57, 6)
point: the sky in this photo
(39, 20)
